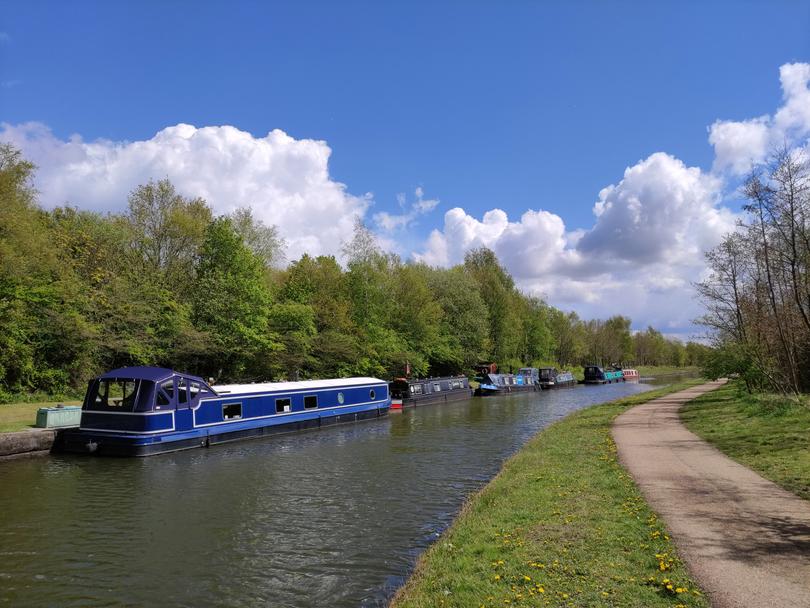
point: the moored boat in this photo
(407, 392)
(138, 411)
(630, 375)
(498, 384)
(598, 375)
(550, 377)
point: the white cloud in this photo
(661, 211)
(284, 180)
(740, 145)
(392, 222)
(644, 249)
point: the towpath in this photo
(745, 540)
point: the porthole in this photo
(340, 398)
(372, 395)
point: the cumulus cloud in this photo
(661, 211)
(638, 259)
(285, 181)
(740, 145)
(392, 222)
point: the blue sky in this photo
(508, 105)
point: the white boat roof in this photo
(276, 387)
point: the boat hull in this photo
(487, 391)
(101, 443)
(434, 398)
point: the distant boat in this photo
(407, 392)
(597, 375)
(630, 375)
(550, 377)
(138, 411)
(498, 384)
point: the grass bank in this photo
(20, 416)
(665, 370)
(562, 524)
(768, 433)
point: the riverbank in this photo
(768, 433)
(22, 416)
(562, 524)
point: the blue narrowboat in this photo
(498, 384)
(139, 411)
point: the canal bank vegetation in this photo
(167, 283)
(757, 296)
(770, 433)
(562, 524)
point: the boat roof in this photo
(155, 374)
(266, 387)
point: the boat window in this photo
(310, 402)
(118, 394)
(162, 399)
(283, 406)
(417, 389)
(182, 391)
(340, 398)
(194, 390)
(168, 387)
(437, 386)
(372, 395)
(231, 411)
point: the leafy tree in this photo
(167, 230)
(264, 241)
(230, 302)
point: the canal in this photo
(334, 517)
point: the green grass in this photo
(665, 370)
(768, 433)
(20, 416)
(562, 524)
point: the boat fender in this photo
(91, 446)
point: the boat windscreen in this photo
(114, 394)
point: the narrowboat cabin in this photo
(138, 411)
(550, 377)
(407, 392)
(631, 375)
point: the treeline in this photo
(758, 294)
(167, 283)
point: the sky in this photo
(596, 147)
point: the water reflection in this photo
(334, 517)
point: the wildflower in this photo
(497, 577)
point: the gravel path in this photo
(745, 540)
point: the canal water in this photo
(327, 518)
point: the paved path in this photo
(745, 540)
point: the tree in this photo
(232, 305)
(167, 232)
(264, 241)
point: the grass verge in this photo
(20, 416)
(768, 433)
(562, 524)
